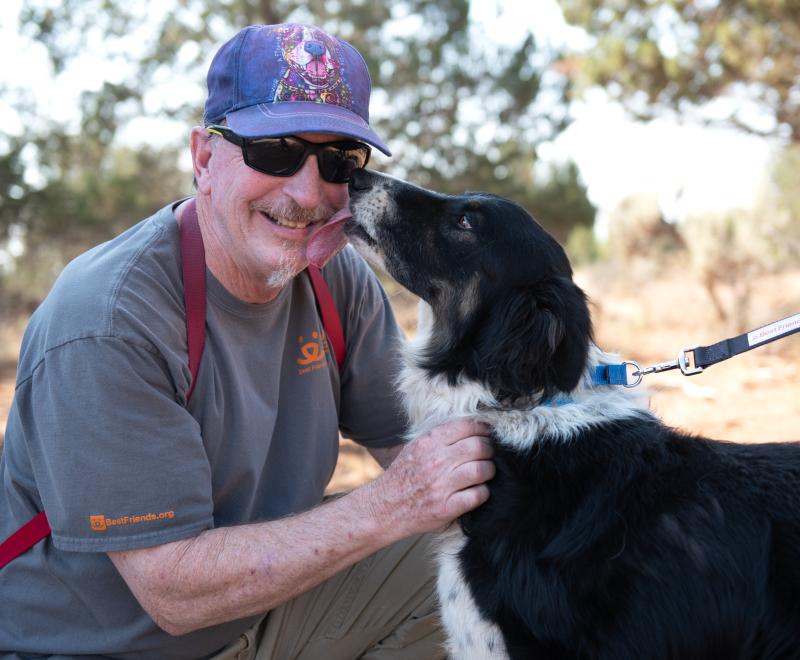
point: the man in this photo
(176, 522)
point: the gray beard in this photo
(286, 271)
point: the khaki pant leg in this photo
(382, 608)
(243, 648)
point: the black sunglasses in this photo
(284, 156)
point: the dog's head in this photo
(506, 312)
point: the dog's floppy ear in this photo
(535, 339)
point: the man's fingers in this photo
(475, 447)
(472, 474)
(466, 500)
(458, 429)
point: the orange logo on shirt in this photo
(312, 353)
(102, 523)
(98, 523)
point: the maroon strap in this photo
(193, 265)
(330, 317)
(24, 538)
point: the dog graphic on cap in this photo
(314, 72)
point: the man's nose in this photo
(306, 185)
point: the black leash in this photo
(695, 359)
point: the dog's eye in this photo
(464, 223)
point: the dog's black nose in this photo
(360, 180)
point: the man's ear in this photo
(536, 340)
(201, 148)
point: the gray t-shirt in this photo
(101, 438)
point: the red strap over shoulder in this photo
(193, 266)
(330, 317)
(24, 538)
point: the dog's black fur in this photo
(615, 538)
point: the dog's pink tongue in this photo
(328, 239)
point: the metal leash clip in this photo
(687, 368)
(683, 362)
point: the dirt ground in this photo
(645, 316)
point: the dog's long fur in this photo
(607, 534)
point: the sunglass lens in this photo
(338, 162)
(275, 156)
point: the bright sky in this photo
(616, 157)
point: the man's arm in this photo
(229, 573)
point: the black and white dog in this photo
(607, 534)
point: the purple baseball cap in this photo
(272, 80)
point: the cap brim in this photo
(273, 119)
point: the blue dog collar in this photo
(611, 374)
(604, 374)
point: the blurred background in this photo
(658, 141)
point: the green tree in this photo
(560, 202)
(653, 56)
(92, 192)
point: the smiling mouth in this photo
(290, 224)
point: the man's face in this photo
(262, 225)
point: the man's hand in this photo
(435, 478)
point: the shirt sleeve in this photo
(118, 462)
(371, 411)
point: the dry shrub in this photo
(638, 230)
(730, 250)
(726, 250)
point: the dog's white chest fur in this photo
(429, 403)
(469, 635)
